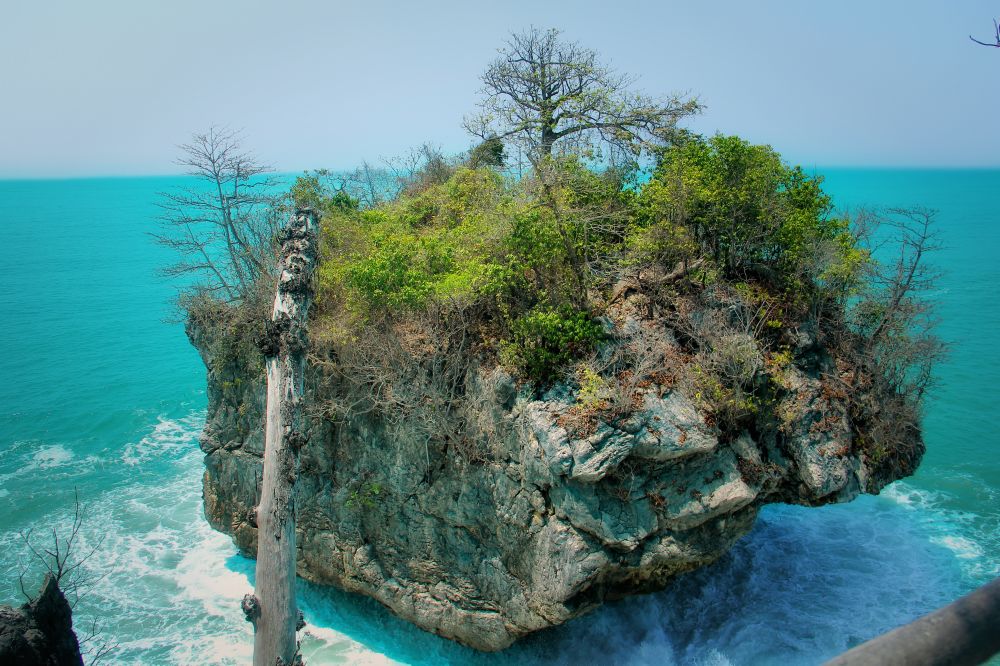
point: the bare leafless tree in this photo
(420, 168)
(369, 185)
(222, 226)
(996, 30)
(62, 558)
(542, 91)
(895, 314)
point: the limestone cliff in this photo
(573, 504)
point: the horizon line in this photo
(811, 167)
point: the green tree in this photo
(751, 212)
(543, 92)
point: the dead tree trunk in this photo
(272, 608)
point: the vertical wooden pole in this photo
(272, 608)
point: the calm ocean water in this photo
(102, 393)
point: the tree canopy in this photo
(545, 94)
(751, 212)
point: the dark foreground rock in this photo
(39, 633)
(561, 507)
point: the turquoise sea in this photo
(101, 392)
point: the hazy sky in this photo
(100, 87)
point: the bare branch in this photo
(223, 226)
(996, 30)
(894, 315)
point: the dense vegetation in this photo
(468, 262)
(475, 265)
(537, 256)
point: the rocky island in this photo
(485, 484)
(545, 504)
(532, 390)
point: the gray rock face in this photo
(564, 513)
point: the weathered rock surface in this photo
(39, 633)
(563, 514)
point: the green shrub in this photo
(365, 496)
(441, 243)
(392, 273)
(594, 394)
(489, 153)
(312, 189)
(748, 211)
(546, 339)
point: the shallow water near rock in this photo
(104, 395)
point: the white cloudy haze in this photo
(102, 88)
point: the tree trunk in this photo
(548, 139)
(275, 615)
(549, 135)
